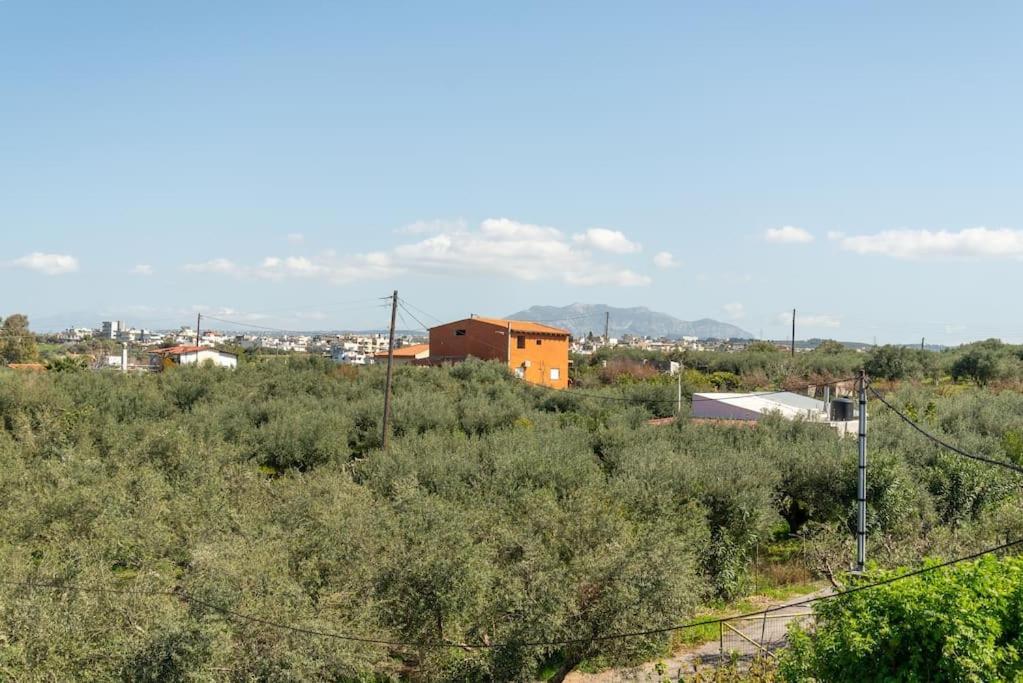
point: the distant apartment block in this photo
(110, 329)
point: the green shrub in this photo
(963, 623)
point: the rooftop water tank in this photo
(841, 409)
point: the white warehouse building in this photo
(757, 405)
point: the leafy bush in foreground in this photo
(962, 623)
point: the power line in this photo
(626, 399)
(252, 325)
(233, 614)
(945, 444)
(187, 597)
(401, 302)
(422, 311)
(573, 392)
(259, 327)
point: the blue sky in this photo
(286, 163)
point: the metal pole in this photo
(678, 411)
(390, 361)
(607, 327)
(861, 482)
(793, 351)
(198, 325)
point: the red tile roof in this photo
(178, 350)
(406, 351)
(523, 326)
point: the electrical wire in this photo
(235, 615)
(261, 327)
(573, 392)
(626, 399)
(401, 302)
(945, 444)
(187, 597)
(421, 311)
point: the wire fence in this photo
(743, 641)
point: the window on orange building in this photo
(538, 341)
(520, 342)
(555, 374)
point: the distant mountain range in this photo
(581, 319)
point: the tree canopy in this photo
(17, 343)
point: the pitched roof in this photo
(183, 349)
(180, 349)
(522, 326)
(406, 351)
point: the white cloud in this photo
(142, 269)
(810, 320)
(664, 259)
(222, 266)
(296, 238)
(788, 234)
(226, 311)
(507, 229)
(432, 227)
(47, 264)
(276, 268)
(499, 247)
(970, 243)
(613, 241)
(735, 310)
(607, 276)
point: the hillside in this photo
(581, 319)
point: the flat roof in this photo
(785, 402)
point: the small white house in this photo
(191, 355)
(340, 354)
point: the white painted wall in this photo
(224, 360)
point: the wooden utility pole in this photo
(607, 327)
(390, 362)
(198, 326)
(793, 351)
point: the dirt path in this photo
(742, 641)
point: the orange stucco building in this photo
(535, 352)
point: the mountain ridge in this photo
(581, 319)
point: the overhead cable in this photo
(235, 615)
(945, 444)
